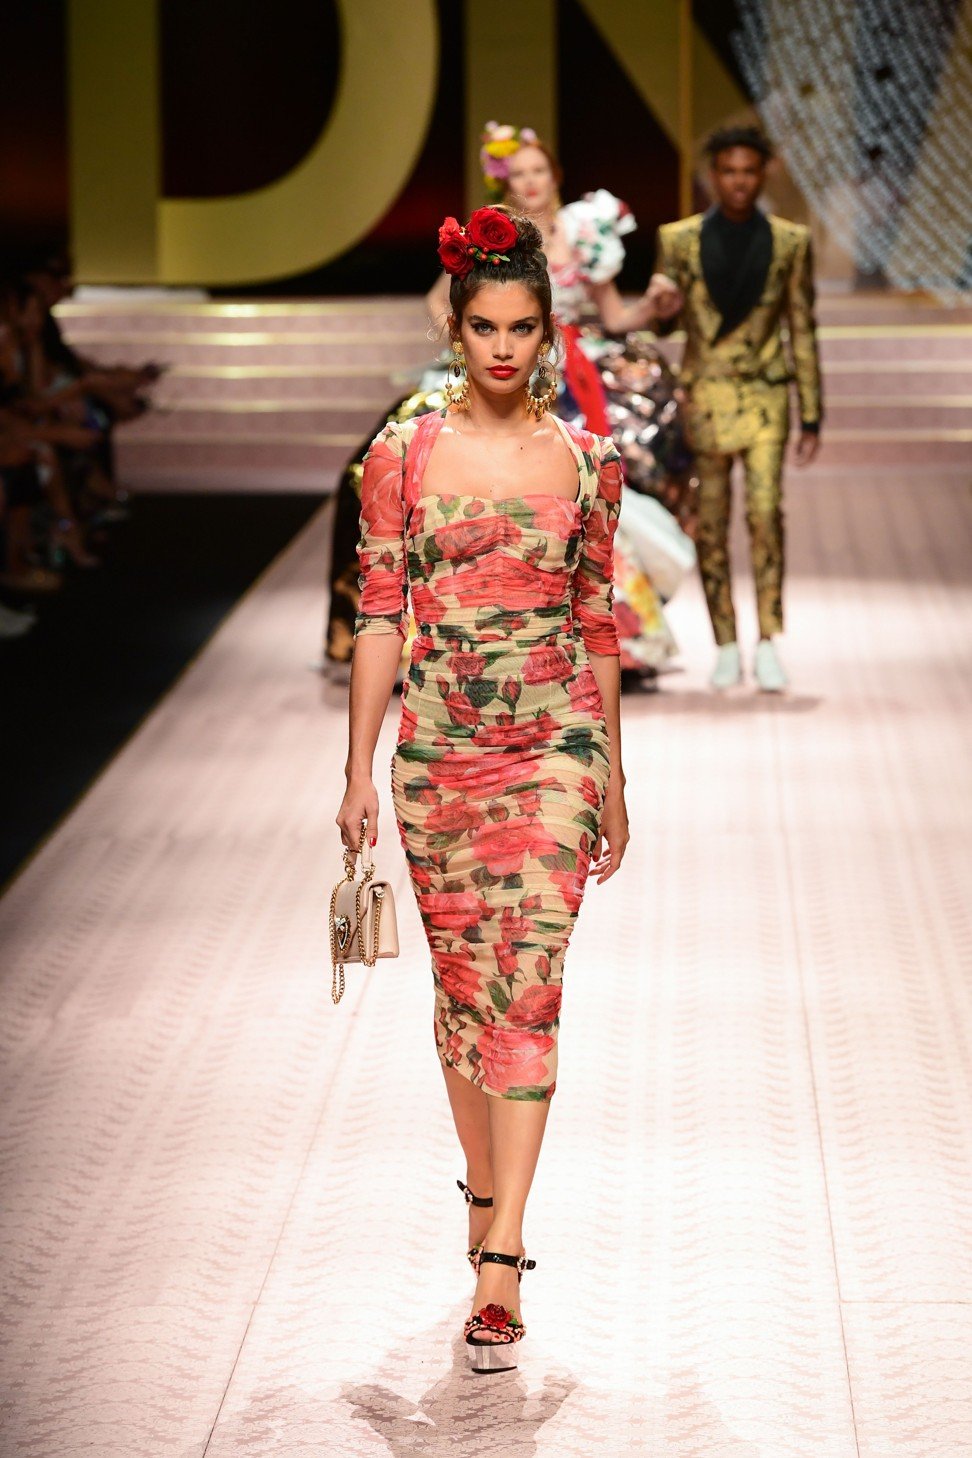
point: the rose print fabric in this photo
(501, 765)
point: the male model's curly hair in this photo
(728, 137)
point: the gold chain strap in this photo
(337, 961)
(337, 967)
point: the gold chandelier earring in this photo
(457, 381)
(540, 398)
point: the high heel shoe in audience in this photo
(67, 542)
(101, 507)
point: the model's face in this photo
(501, 334)
(530, 183)
(738, 175)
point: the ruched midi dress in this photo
(502, 759)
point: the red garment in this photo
(584, 381)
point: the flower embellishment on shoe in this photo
(485, 239)
(497, 1318)
(506, 1325)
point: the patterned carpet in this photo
(230, 1224)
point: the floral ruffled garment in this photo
(502, 758)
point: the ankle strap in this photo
(471, 1199)
(520, 1263)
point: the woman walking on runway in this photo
(507, 781)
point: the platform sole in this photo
(492, 1356)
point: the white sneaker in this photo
(728, 669)
(768, 668)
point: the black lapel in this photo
(713, 259)
(735, 298)
(751, 278)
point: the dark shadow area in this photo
(109, 645)
(463, 1411)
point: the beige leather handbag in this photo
(362, 919)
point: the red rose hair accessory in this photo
(484, 239)
(455, 255)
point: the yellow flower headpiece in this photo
(499, 144)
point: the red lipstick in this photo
(503, 372)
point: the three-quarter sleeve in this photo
(593, 581)
(383, 605)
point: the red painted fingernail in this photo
(373, 840)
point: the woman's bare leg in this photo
(67, 532)
(471, 1118)
(516, 1131)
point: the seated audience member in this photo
(43, 446)
(111, 393)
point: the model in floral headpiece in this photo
(499, 145)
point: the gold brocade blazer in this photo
(753, 351)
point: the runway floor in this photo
(230, 1223)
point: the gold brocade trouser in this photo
(763, 465)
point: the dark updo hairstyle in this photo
(527, 266)
(728, 137)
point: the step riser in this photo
(945, 349)
(896, 418)
(193, 423)
(359, 391)
(343, 314)
(411, 353)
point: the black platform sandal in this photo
(481, 1203)
(498, 1352)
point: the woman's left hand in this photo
(612, 842)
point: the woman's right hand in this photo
(360, 803)
(664, 297)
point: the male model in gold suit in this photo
(743, 278)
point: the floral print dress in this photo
(501, 764)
